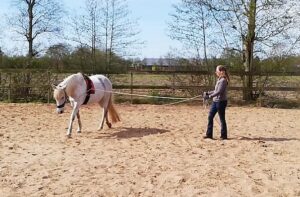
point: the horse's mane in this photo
(70, 84)
(67, 80)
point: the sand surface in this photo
(154, 151)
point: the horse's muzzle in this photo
(59, 111)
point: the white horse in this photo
(85, 90)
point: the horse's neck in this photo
(72, 83)
(66, 81)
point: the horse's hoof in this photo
(78, 131)
(109, 124)
(99, 129)
(69, 136)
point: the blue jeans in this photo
(219, 107)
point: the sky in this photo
(152, 17)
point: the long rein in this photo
(150, 96)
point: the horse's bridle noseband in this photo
(63, 104)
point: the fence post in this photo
(49, 87)
(9, 88)
(131, 86)
(173, 84)
(1, 87)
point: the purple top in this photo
(220, 92)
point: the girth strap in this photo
(90, 88)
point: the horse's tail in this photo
(112, 112)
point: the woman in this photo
(219, 104)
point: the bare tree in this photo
(106, 25)
(58, 53)
(85, 28)
(35, 18)
(255, 27)
(189, 25)
(119, 30)
(93, 8)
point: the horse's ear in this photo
(53, 86)
(62, 87)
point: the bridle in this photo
(63, 104)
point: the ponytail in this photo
(224, 72)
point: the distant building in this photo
(159, 62)
(297, 67)
(166, 64)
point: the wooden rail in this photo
(7, 87)
(236, 73)
(163, 72)
(162, 87)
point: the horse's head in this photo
(60, 97)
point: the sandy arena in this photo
(154, 151)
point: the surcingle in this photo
(90, 88)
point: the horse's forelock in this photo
(58, 93)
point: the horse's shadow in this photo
(267, 139)
(129, 132)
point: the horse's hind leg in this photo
(104, 103)
(104, 114)
(107, 121)
(79, 122)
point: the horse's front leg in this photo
(79, 123)
(78, 118)
(74, 113)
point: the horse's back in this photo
(101, 80)
(103, 88)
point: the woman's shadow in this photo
(129, 132)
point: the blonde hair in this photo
(223, 72)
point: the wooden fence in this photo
(35, 85)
